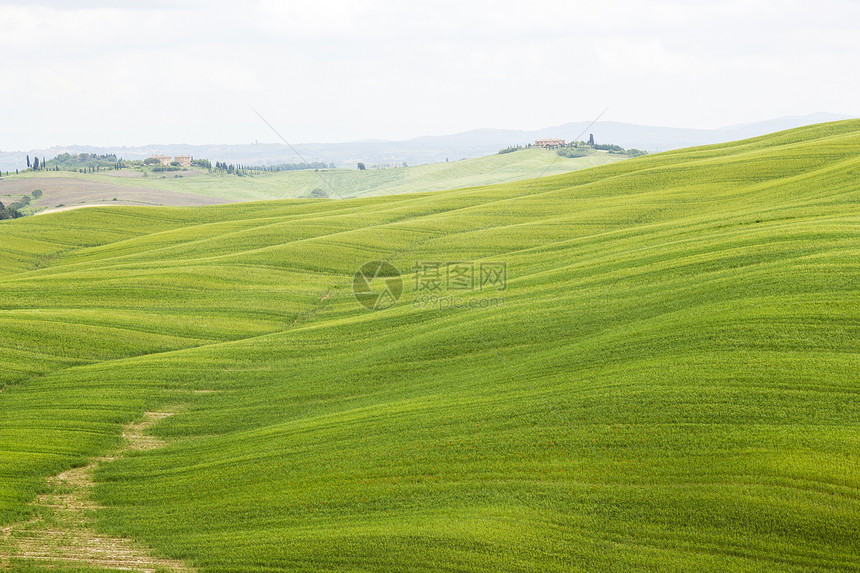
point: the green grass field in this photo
(668, 382)
(334, 183)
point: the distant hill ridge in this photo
(435, 148)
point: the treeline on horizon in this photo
(238, 169)
(87, 162)
(93, 162)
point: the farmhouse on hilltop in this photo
(183, 160)
(161, 159)
(549, 143)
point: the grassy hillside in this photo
(668, 382)
(186, 188)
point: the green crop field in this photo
(71, 189)
(665, 380)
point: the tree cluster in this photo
(8, 212)
(239, 169)
(84, 162)
(620, 150)
(37, 165)
(572, 151)
(13, 211)
(299, 166)
(230, 169)
(580, 149)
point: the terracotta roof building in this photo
(549, 143)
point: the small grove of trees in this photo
(297, 166)
(361, 166)
(609, 147)
(632, 152)
(239, 169)
(83, 162)
(36, 165)
(581, 148)
(8, 212)
(572, 152)
(13, 211)
(229, 169)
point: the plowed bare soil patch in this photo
(72, 193)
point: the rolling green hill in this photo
(666, 381)
(68, 189)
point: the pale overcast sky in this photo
(102, 72)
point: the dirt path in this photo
(63, 534)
